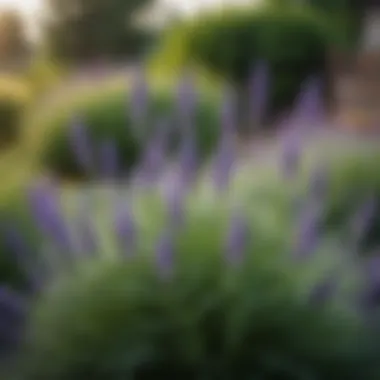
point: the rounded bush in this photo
(109, 117)
(292, 42)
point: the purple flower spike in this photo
(45, 206)
(187, 98)
(291, 156)
(165, 255)
(43, 201)
(224, 164)
(109, 159)
(139, 100)
(228, 112)
(188, 160)
(308, 234)
(363, 218)
(309, 105)
(259, 92)
(125, 228)
(175, 203)
(81, 145)
(237, 239)
(154, 160)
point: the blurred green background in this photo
(78, 58)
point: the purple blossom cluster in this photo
(78, 236)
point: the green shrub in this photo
(114, 317)
(107, 117)
(356, 186)
(292, 42)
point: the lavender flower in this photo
(174, 198)
(109, 159)
(186, 96)
(259, 92)
(81, 145)
(188, 160)
(139, 101)
(154, 159)
(125, 229)
(309, 105)
(223, 167)
(291, 156)
(237, 239)
(165, 255)
(45, 207)
(228, 112)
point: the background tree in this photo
(82, 30)
(13, 38)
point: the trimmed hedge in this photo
(292, 42)
(108, 117)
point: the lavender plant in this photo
(206, 281)
(218, 297)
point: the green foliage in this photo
(82, 30)
(293, 42)
(113, 318)
(107, 117)
(340, 14)
(355, 181)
